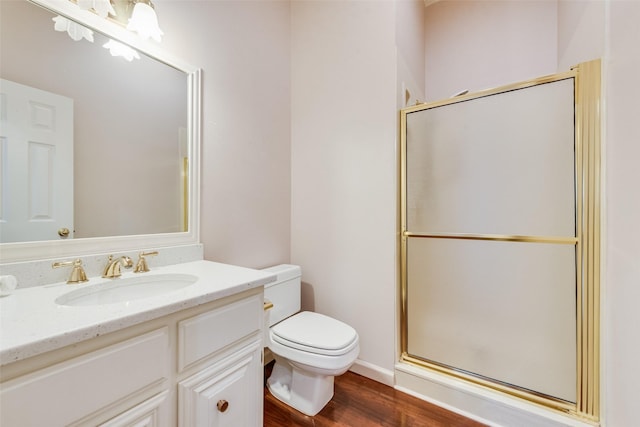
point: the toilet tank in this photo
(284, 293)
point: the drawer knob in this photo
(223, 405)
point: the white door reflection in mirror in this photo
(36, 169)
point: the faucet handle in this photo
(113, 268)
(141, 265)
(77, 272)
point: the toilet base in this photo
(304, 391)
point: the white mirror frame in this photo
(28, 251)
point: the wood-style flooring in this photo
(361, 402)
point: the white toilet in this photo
(309, 348)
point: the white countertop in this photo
(32, 323)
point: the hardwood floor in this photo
(361, 402)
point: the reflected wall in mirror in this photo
(130, 123)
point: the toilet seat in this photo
(315, 333)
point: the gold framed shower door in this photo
(587, 241)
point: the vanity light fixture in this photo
(102, 8)
(76, 31)
(144, 20)
(138, 16)
(119, 49)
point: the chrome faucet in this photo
(112, 270)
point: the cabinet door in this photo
(152, 412)
(227, 393)
(80, 390)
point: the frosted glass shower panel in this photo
(498, 164)
(501, 310)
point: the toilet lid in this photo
(315, 333)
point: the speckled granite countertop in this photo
(32, 323)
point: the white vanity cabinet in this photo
(197, 367)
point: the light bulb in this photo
(119, 49)
(75, 30)
(145, 22)
(102, 8)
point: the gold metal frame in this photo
(588, 167)
(185, 194)
(587, 98)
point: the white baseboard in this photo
(373, 372)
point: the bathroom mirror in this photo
(135, 128)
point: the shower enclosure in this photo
(499, 238)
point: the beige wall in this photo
(243, 48)
(343, 131)
(581, 31)
(410, 42)
(475, 45)
(622, 211)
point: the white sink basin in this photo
(122, 290)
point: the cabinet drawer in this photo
(205, 334)
(69, 391)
